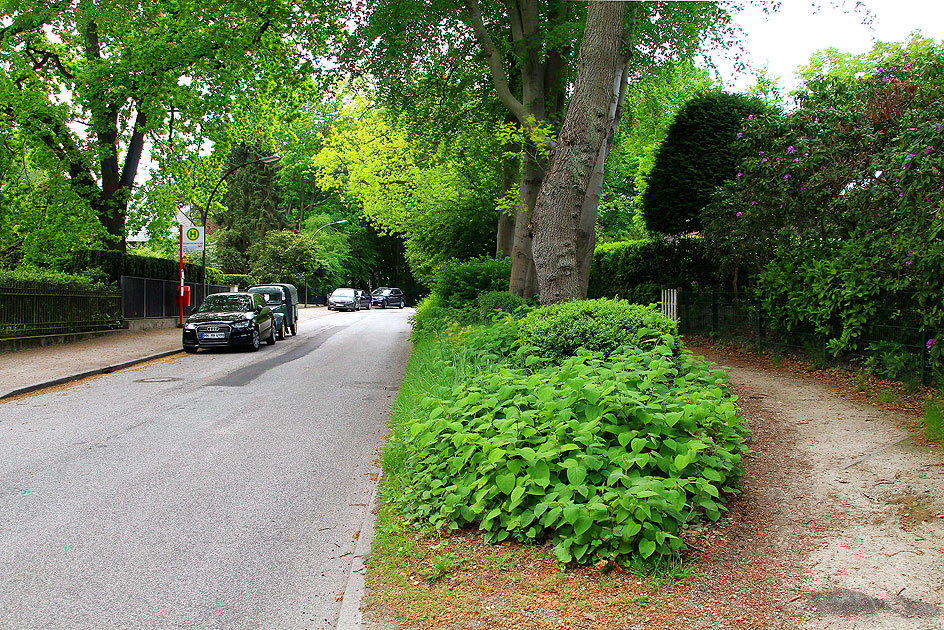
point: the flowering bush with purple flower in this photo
(829, 235)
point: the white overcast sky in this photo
(786, 39)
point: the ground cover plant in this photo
(605, 456)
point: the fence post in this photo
(714, 312)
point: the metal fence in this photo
(146, 297)
(893, 342)
(30, 309)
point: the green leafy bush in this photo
(557, 331)
(115, 264)
(461, 282)
(498, 302)
(606, 458)
(434, 317)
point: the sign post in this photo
(191, 240)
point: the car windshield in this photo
(272, 295)
(226, 304)
(343, 293)
(381, 291)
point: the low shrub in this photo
(608, 459)
(460, 283)
(433, 316)
(602, 325)
(498, 302)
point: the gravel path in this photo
(841, 524)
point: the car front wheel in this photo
(256, 341)
(271, 339)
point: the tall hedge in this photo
(115, 264)
(697, 155)
(635, 270)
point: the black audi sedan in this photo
(230, 319)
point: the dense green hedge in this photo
(31, 275)
(115, 264)
(461, 282)
(635, 270)
(558, 331)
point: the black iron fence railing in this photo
(147, 297)
(31, 309)
(893, 342)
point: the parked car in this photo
(363, 300)
(229, 319)
(382, 297)
(343, 298)
(283, 300)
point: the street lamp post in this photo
(312, 239)
(269, 159)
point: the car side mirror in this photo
(258, 308)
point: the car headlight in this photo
(189, 326)
(242, 324)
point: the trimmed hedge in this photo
(498, 302)
(558, 331)
(115, 264)
(635, 270)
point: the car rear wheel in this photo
(294, 330)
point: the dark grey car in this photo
(382, 297)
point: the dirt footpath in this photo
(841, 505)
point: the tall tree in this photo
(525, 48)
(87, 82)
(564, 215)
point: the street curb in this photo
(78, 377)
(350, 617)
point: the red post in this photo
(180, 298)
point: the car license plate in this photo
(217, 335)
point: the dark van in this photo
(283, 300)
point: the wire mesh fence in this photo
(893, 343)
(29, 309)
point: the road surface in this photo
(217, 490)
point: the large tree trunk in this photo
(559, 206)
(523, 275)
(586, 231)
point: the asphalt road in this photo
(216, 490)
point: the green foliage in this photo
(115, 264)
(697, 155)
(460, 282)
(282, 256)
(241, 280)
(605, 458)
(838, 206)
(495, 302)
(636, 270)
(177, 73)
(433, 317)
(558, 331)
(934, 420)
(91, 280)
